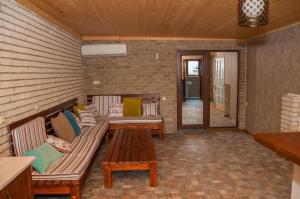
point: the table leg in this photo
(296, 183)
(161, 131)
(153, 174)
(107, 176)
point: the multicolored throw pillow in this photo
(60, 144)
(116, 110)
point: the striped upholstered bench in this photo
(151, 118)
(66, 175)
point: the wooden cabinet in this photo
(16, 181)
(20, 187)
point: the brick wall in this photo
(140, 72)
(290, 113)
(39, 64)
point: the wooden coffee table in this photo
(130, 149)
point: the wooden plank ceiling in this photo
(159, 18)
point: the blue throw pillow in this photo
(72, 121)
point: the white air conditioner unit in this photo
(104, 49)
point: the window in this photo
(192, 68)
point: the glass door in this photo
(219, 84)
(223, 99)
(192, 106)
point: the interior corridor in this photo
(192, 113)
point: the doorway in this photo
(192, 106)
(192, 89)
(207, 89)
(224, 88)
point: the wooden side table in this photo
(15, 177)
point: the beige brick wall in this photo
(39, 64)
(140, 72)
(290, 113)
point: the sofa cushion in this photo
(87, 118)
(132, 106)
(44, 155)
(72, 121)
(29, 136)
(60, 144)
(63, 128)
(78, 121)
(96, 131)
(92, 108)
(71, 166)
(150, 109)
(116, 110)
(78, 107)
(102, 103)
(133, 120)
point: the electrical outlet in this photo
(164, 98)
(2, 119)
(96, 82)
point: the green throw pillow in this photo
(44, 155)
(132, 107)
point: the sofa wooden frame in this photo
(156, 128)
(50, 187)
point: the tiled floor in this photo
(217, 118)
(204, 165)
(192, 113)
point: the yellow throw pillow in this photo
(78, 107)
(132, 107)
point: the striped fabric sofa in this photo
(71, 165)
(66, 175)
(151, 118)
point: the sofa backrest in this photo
(46, 122)
(150, 102)
(102, 103)
(29, 136)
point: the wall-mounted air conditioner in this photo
(104, 49)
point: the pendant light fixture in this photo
(253, 13)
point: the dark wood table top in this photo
(286, 145)
(131, 145)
